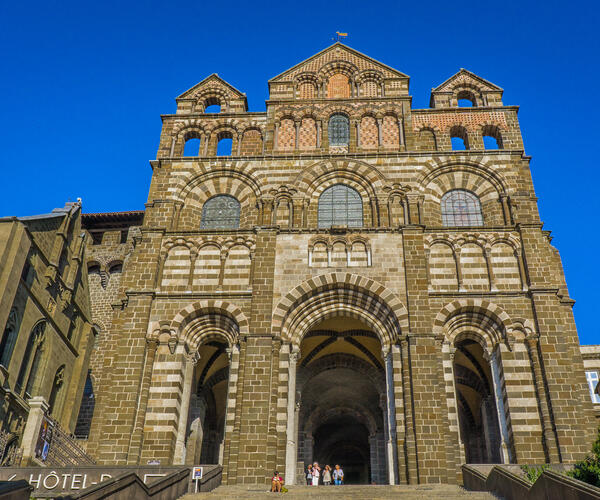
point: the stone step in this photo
(346, 492)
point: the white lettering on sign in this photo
(37, 481)
(65, 477)
(105, 476)
(53, 475)
(76, 481)
(84, 481)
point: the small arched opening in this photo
(192, 147)
(477, 411)
(206, 419)
(459, 138)
(224, 143)
(212, 105)
(492, 139)
(466, 99)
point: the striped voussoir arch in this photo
(207, 319)
(308, 179)
(340, 294)
(460, 316)
(473, 169)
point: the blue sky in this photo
(84, 84)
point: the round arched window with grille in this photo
(461, 208)
(221, 212)
(340, 205)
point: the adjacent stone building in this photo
(45, 318)
(341, 278)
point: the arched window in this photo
(340, 205)
(116, 267)
(212, 105)
(192, 147)
(55, 401)
(221, 212)
(9, 338)
(224, 144)
(461, 208)
(492, 139)
(33, 350)
(459, 138)
(339, 130)
(466, 99)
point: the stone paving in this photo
(429, 492)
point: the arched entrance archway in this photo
(342, 400)
(329, 302)
(208, 332)
(477, 411)
(206, 418)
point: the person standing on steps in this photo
(327, 476)
(316, 474)
(309, 475)
(338, 475)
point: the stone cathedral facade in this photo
(355, 281)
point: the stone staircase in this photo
(346, 492)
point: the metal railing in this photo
(64, 449)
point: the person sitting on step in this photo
(276, 483)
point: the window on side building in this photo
(592, 380)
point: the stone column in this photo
(233, 355)
(487, 253)
(390, 416)
(379, 132)
(504, 448)
(352, 143)
(297, 134)
(319, 127)
(193, 259)
(505, 209)
(177, 206)
(522, 272)
(401, 131)
(290, 450)
(459, 278)
(38, 407)
(190, 363)
(276, 136)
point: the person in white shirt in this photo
(316, 473)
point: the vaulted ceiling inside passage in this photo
(211, 375)
(341, 335)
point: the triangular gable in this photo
(212, 79)
(360, 60)
(465, 76)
